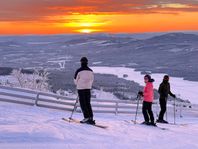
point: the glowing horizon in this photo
(91, 16)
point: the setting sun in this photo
(86, 31)
(86, 16)
(85, 23)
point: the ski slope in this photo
(24, 127)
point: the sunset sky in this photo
(89, 16)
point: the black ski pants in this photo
(147, 111)
(85, 99)
(163, 102)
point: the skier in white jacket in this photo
(83, 79)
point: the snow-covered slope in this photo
(24, 127)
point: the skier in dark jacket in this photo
(83, 79)
(164, 91)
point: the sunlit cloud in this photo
(88, 16)
(31, 10)
(83, 23)
(175, 5)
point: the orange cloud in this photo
(26, 10)
(70, 16)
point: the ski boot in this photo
(145, 123)
(152, 124)
(85, 120)
(91, 121)
(161, 121)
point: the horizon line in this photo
(95, 33)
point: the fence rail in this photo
(54, 101)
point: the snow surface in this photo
(100, 94)
(185, 89)
(7, 78)
(38, 43)
(24, 127)
(31, 127)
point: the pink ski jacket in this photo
(148, 92)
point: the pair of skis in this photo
(176, 124)
(78, 122)
(135, 122)
(70, 119)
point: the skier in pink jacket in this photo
(148, 96)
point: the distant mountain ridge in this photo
(172, 53)
(175, 37)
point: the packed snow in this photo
(38, 43)
(24, 127)
(185, 89)
(100, 94)
(32, 127)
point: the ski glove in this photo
(140, 93)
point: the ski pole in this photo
(174, 111)
(166, 108)
(180, 107)
(157, 108)
(74, 109)
(138, 99)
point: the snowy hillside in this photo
(172, 53)
(23, 127)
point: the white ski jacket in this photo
(84, 78)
